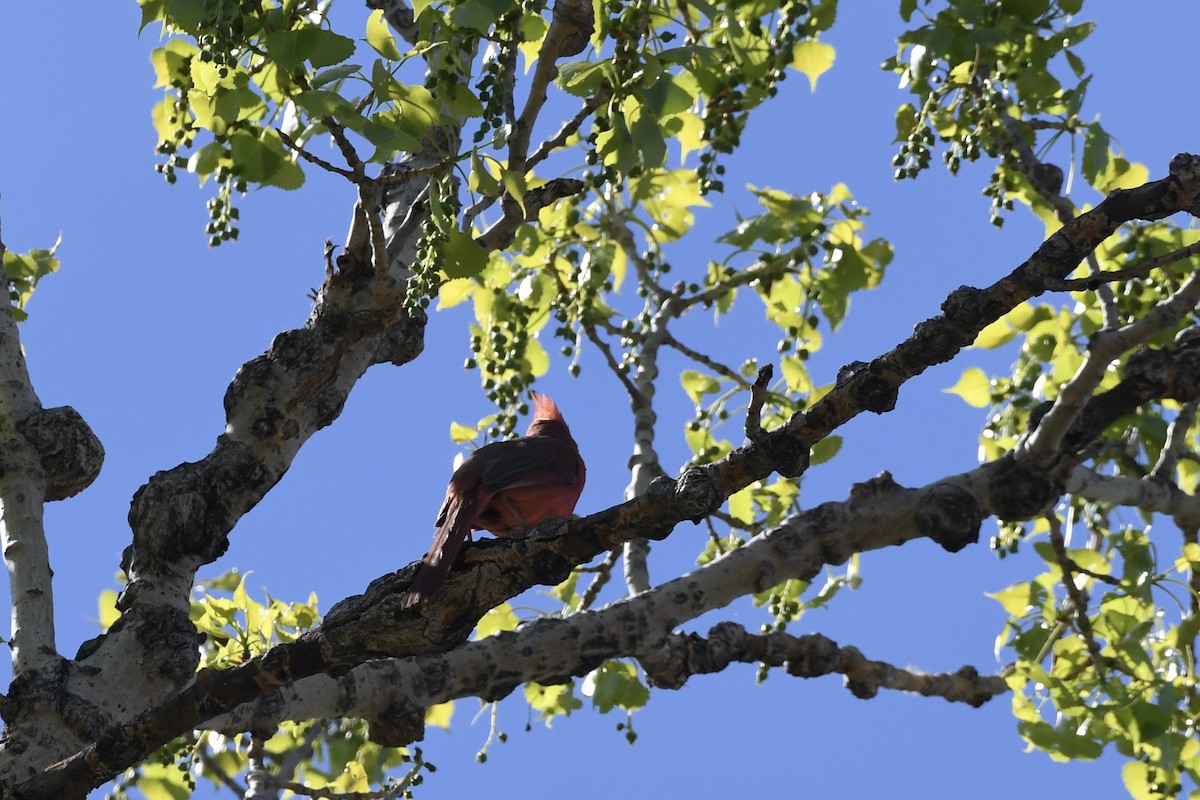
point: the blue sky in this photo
(144, 326)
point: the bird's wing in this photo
(529, 461)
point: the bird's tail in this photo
(447, 541)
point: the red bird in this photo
(505, 487)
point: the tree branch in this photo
(1149, 494)
(571, 26)
(1139, 270)
(23, 488)
(812, 656)
(1104, 348)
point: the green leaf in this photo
(379, 36)
(185, 14)
(665, 96)
(24, 271)
(565, 592)
(583, 78)
(171, 61)
(1138, 779)
(152, 11)
(1062, 745)
(514, 185)
(536, 357)
(1190, 560)
(1027, 10)
(697, 384)
(906, 122)
(648, 139)
(974, 387)
(160, 782)
(205, 161)
(1095, 152)
(995, 334)
(438, 716)
(334, 74)
(741, 504)
(615, 684)
(813, 58)
(415, 110)
(479, 15)
(796, 375)
(1016, 599)
(319, 47)
(1076, 63)
(453, 292)
(496, 620)
(323, 103)
(1121, 174)
(481, 178)
(263, 160)
(108, 609)
(463, 257)
(552, 701)
(460, 434)
(825, 449)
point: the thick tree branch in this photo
(1149, 494)
(812, 656)
(400, 686)
(502, 232)
(23, 485)
(879, 514)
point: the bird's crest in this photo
(544, 408)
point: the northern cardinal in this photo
(505, 487)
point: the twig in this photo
(369, 198)
(619, 230)
(209, 763)
(603, 575)
(1077, 595)
(328, 253)
(572, 125)
(701, 358)
(764, 268)
(758, 395)
(313, 159)
(1177, 442)
(1139, 270)
(606, 351)
(403, 175)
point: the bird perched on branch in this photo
(505, 487)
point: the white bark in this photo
(22, 498)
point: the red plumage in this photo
(505, 487)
